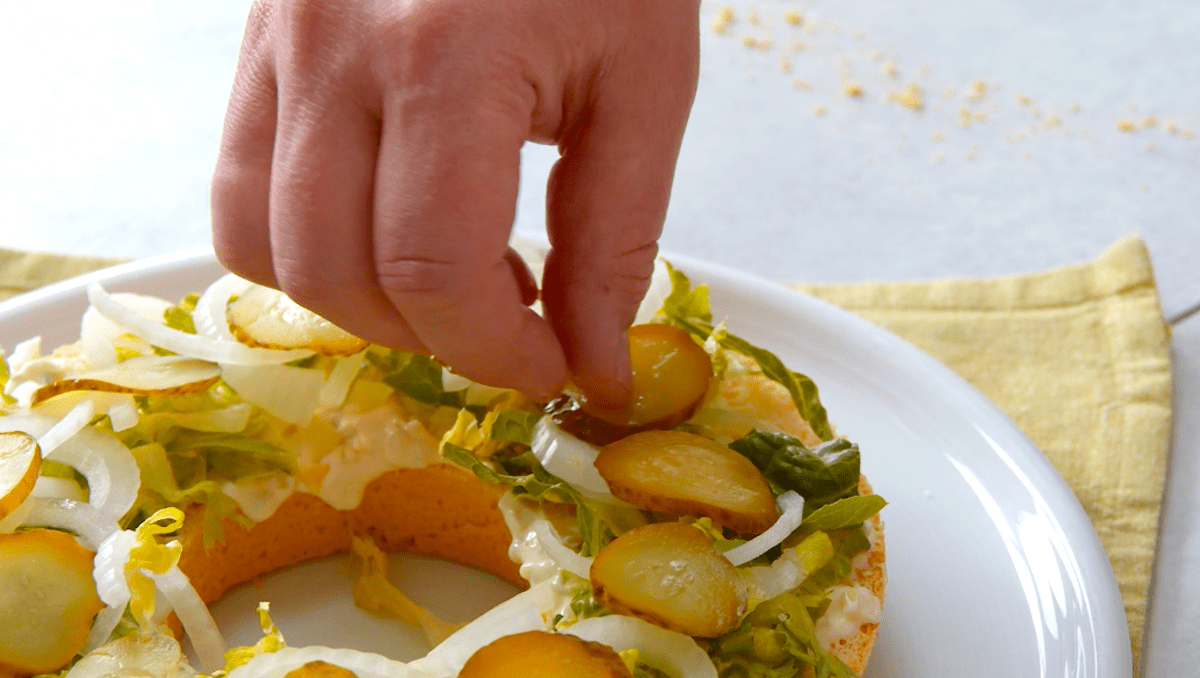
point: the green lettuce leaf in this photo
(514, 426)
(688, 309)
(777, 640)
(822, 475)
(845, 513)
(420, 378)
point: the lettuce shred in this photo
(688, 309)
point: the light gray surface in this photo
(111, 115)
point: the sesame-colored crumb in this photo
(910, 98)
(797, 47)
(859, 35)
(938, 157)
(756, 43)
(1187, 134)
(1145, 188)
(973, 152)
(1126, 126)
(980, 116)
(876, 55)
(964, 117)
(1150, 147)
(1026, 157)
(1150, 121)
(819, 110)
(1074, 107)
(793, 17)
(852, 89)
(978, 91)
(800, 83)
(753, 18)
(1051, 121)
(1132, 108)
(785, 65)
(1170, 127)
(889, 69)
(923, 70)
(1024, 99)
(1035, 111)
(723, 19)
(937, 136)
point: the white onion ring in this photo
(197, 621)
(108, 571)
(362, 664)
(290, 393)
(337, 385)
(792, 506)
(110, 468)
(569, 458)
(191, 345)
(657, 644)
(92, 526)
(565, 556)
(523, 612)
(74, 422)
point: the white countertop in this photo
(112, 114)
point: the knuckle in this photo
(414, 276)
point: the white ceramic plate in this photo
(994, 569)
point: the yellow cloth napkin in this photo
(22, 271)
(1079, 357)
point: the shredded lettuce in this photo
(845, 513)
(777, 640)
(420, 378)
(180, 317)
(688, 309)
(538, 484)
(272, 641)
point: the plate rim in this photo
(1113, 650)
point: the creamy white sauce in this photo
(536, 565)
(260, 497)
(849, 608)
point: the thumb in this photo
(608, 193)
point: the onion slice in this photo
(564, 555)
(192, 345)
(791, 506)
(91, 526)
(110, 468)
(290, 393)
(194, 615)
(523, 612)
(285, 660)
(569, 458)
(74, 422)
(337, 385)
(657, 646)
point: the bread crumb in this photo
(1052, 121)
(938, 157)
(890, 70)
(937, 136)
(964, 117)
(1035, 112)
(1187, 134)
(1145, 188)
(910, 98)
(723, 19)
(800, 83)
(1023, 99)
(980, 116)
(1126, 126)
(756, 43)
(1026, 157)
(978, 91)
(1150, 147)
(1074, 107)
(852, 89)
(1150, 121)
(876, 55)
(923, 70)
(794, 18)
(818, 110)
(973, 152)
(753, 18)
(859, 35)
(1132, 108)
(785, 65)
(1170, 127)
(797, 47)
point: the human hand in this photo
(370, 161)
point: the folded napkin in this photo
(1079, 357)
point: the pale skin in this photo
(370, 161)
